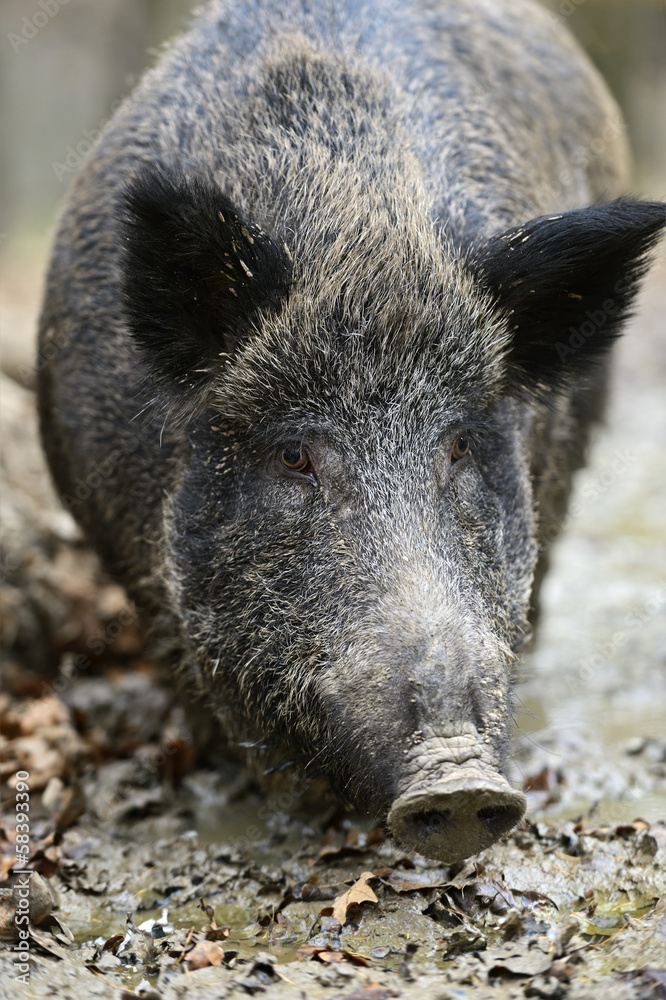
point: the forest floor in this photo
(154, 874)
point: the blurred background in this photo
(64, 67)
(66, 64)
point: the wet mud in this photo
(151, 872)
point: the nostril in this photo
(457, 816)
(425, 824)
(499, 819)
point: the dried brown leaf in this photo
(525, 962)
(359, 893)
(47, 943)
(217, 933)
(6, 915)
(331, 956)
(113, 943)
(205, 953)
(34, 715)
(406, 881)
(327, 953)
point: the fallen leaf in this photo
(468, 871)
(331, 956)
(532, 962)
(217, 933)
(359, 893)
(413, 881)
(380, 952)
(327, 953)
(491, 895)
(47, 943)
(311, 951)
(212, 931)
(495, 896)
(311, 892)
(545, 781)
(205, 953)
(34, 715)
(6, 915)
(59, 930)
(340, 851)
(461, 941)
(113, 943)
(529, 899)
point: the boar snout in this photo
(432, 729)
(458, 815)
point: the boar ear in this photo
(194, 275)
(566, 283)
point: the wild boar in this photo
(325, 329)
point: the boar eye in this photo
(297, 460)
(460, 448)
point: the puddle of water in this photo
(612, 912)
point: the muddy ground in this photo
(162, 873)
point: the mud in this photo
(170, 878)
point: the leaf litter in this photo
(167, 878)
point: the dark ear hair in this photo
(194, 275)
(566, 283)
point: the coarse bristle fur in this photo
(332, 301)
